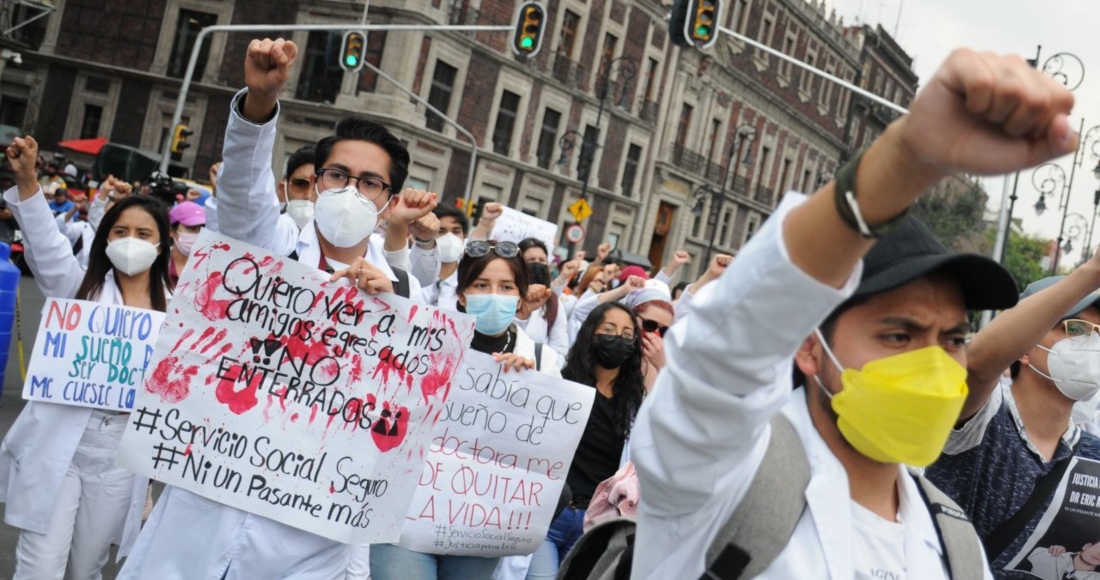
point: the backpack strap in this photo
(958, 537)
(402, 287)
(762, 525)
(538, 356)
(604, 552)
(1004, 534)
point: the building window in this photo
(13, 112)
(650, 78)
(790, 42)
(570, 21)
(588, 152)
(506, 122)
(93, 115)
(609, 43)
(443, 86)
(806, 82)
(784, 176)
(750, 228)
(739, 15)
(547, 136)
(187, 29)
(630, 169)
(807, 175)
(766, 27)
(321, 75)
(723, 237)
(685, 125)
(762, 176)
(825, 97)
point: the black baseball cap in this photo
(911, 251)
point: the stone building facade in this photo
(609, 107)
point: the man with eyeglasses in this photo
(1016, 438)
(295, 190)
(357, 172)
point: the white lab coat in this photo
(539, 329)
(702, 434)
(39, 447)
(189, 537)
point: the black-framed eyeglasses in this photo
(298, 184)
(1077, 328)
(626, 334)
(653, 326)
(369, 187)
(481, 248)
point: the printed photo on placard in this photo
(1066, 543)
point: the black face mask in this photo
(612, 351)
(540, 273)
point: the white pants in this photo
(358, 563)
(90, 512)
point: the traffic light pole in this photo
(473, 142)
(827, 76)
(177, 116)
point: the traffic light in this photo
(530, 21)
(179, 138)
(471, 208)
(352, 53)
(695, 23)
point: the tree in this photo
(955, 210)
(1023, 256)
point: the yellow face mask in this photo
(902, 408)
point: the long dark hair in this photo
(99, 264)
(580, 367)
(552, 303)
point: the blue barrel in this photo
(9, 287)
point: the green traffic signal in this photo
(702, 31)
(527, 42)
(351, 60)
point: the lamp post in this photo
(1089, 141)
(1087, 253)
(1076, 228)
(1063, 67)
(627, 69)
(745, 133)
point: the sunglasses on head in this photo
(481, 248)
(653, 326)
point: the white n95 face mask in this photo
(344, 218)
(449, 247)
(1074, 365)
(131, 256)
(301, 211)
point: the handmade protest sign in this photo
(497, 462)
(516, 226)
(1066, 542)
(279, 393)
(89, 354)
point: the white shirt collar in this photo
(309, 250)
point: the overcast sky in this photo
(929, 29)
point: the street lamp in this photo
(627, 69)
(1092, 225)
(1067, 69)
(1076, 229)
(1089, 141)
(746, 134)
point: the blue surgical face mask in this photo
(494, 312)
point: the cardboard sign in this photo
(516, 226)
(90, 354)
(497, 462)
(276, 392)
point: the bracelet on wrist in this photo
(844, 193)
